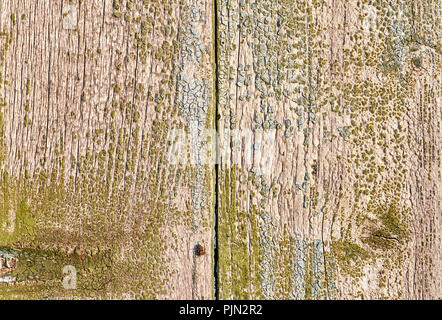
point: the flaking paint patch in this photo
(369, 279)
(10, 224)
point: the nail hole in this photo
(199, 250)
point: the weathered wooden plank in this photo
(328, 139)
(330, 163)
(90, 92)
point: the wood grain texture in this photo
(330, 123)
(90, 91)
(328, 184)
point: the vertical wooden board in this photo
(329, 180)
(94, 95)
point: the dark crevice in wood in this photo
(216, 98)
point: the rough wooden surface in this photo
(89, 91)
(330, 122)
(328, 116)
